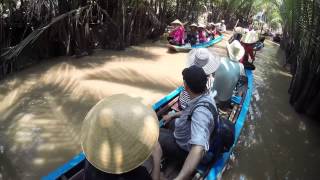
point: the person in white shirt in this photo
(228, 74)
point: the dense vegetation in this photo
(32, 30)
(302, 43)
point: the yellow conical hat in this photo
(119, 133)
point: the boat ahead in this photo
(74, 169)
(186, 48)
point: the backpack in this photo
(222, 136)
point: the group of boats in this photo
(74, 169)
(188, 47)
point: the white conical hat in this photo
(250, 37)
(235, 50)
(238, 30)
(177, 21)
(202, 57)
(193, 25)
(119, 133)
(201, 25)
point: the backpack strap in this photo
(211, 108)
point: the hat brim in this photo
(211, 66)
(107, 141)
(235, 57)
(177, 22)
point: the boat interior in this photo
(172, 168)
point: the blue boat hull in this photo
(76, 164)
(201, 45)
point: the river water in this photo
(42, 109)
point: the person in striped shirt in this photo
(209, 62)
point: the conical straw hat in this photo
(177, 21)
(235, 50)
(201, 25)
(250, 37)
(193, 25)
(119, 133)
(239, 30)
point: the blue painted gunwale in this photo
(216, 170)
(80, 157)
(209, 43)
(201, 45)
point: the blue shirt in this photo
(198, 130)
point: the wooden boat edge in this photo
(216, 170)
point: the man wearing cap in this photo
(176, 36)
(228, 74)
(205, 59)
(188, 140)
(116, 141)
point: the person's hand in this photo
(167, 118)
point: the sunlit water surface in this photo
(42, 109)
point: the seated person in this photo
(228, 74)
(176, 36)
(223, 27)
(237, 34)
(202, 33)
(215, 30)
(117, 140)
(210, 62)
(248, 41)
(192, 36)
(188, 139)
(209, 30)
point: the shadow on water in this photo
(42, 107)
(276, 143)
(132, 77)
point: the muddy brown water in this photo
(42, 109)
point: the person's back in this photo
(226, 78)
(92, 173)
(201, 117)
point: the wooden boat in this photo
(186, 48)
(73, 169)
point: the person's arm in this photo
(156, 157)
(242, 70)
(194, 157)
(169, 117)
(201, 120)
